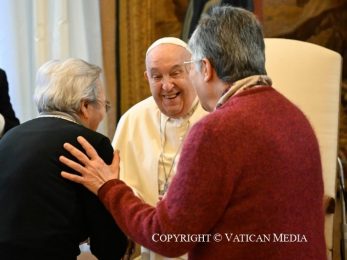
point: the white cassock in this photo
(149, 143)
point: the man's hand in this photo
(94, 171)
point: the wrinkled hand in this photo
(94, 171)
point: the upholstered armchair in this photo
(310, 76)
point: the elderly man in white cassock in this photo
(149, 135)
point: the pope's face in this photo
(169, 80)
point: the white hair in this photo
(62, 85)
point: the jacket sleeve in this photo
(5, 105)
(107, 241)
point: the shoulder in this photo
(207, 127)
(100, 142)
(147, 105)
(141, 112)
(231, 115)
(94, 137)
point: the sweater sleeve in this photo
(196, 199)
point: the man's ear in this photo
(146, 75)
(207, 69)
(84, 109)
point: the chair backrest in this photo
(310, 76)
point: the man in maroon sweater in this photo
(249, 181)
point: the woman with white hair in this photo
(42, 215)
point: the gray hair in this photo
(62, 85)
(232, 40)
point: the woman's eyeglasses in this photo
(105, 103)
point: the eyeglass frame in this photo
(106, 103)
(190, 62)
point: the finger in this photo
(72, 164)
(91, 152)
(76, 153)
(115, 163)
(72, 177)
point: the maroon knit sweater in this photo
(249, 177)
